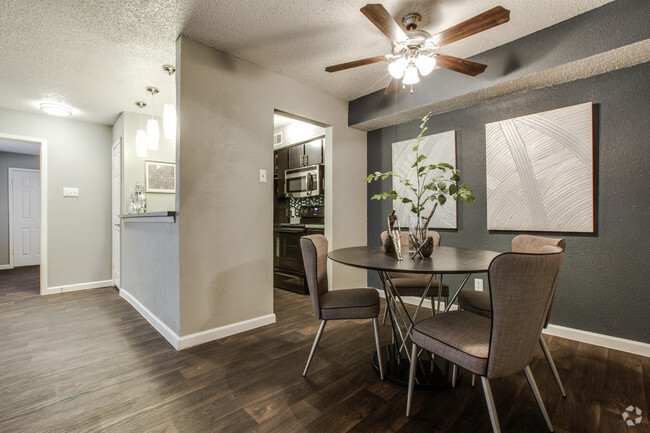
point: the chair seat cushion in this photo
(475, 302)
(458, 336)
(414, 286)
(349, 304)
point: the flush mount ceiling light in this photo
(55, 109)
(169, 112)
(141, 135)
(414, 51)
(153, 130)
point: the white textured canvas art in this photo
(438, 148)
(540, 171)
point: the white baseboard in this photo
(607, 341)
(6, 267)
(602, 340)
(195, 339)
(76, 287)
(158, 324)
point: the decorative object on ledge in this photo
(392, 245)
(138, 200)
(160, 177)
(540, 171)
(422, 183)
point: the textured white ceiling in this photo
(98, 56)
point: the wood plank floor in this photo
(87, 361)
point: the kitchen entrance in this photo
(299, 202)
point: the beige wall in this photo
(79, 229)
(226, 235)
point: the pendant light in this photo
(141, 135)
(169, 113)
(153, 131)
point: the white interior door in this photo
(26, 216)
(116, 209)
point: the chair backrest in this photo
(404, 241)
(533, 244)
(521, 290)
(314, 257)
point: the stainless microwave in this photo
(304, 181)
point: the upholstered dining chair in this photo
(479, 302)
(361, 303)
(521, 291)
(415, 284)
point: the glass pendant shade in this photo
(169, 121)
(141, 143)
(397, 68)
(153, 134)
(425, 64)
(411, 75)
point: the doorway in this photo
(20, 144)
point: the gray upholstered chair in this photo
(336, 304)
(415, 284)
(521, 292)
(479, 302)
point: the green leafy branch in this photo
(434, 182)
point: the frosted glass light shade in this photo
(169, 121)
(411, 75)
(397, 68)
(153, 134)
(141, 143)
(425, 64)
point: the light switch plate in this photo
(262, 175)
(478, 284)
(70, 192)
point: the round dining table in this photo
(431, 373)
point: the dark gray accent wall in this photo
(603, 285)
(15, 160)
(606, 28)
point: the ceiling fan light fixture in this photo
(425, 64)
(411, 75)
(397, 68)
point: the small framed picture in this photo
(160, 177)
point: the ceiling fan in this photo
(414, 50)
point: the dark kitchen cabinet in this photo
(282, 162)
(310, 153)
(314, 152)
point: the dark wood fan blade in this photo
(349, 65)
(459, 65)
(380, 17)
(393, 87)
(492, 18)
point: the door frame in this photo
(10, 197)
(44, 176)
(117, 143)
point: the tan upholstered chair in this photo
(336, 304)
(479, 302)
(521, 291)
(415, 284)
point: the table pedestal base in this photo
(430, 374)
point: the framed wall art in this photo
(160, 177)
(438, 148)
(540, 171)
